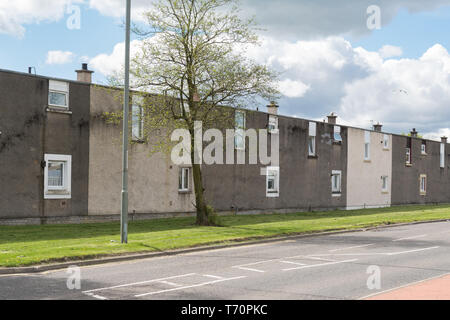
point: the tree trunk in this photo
(202, 212)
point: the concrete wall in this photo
(29, 132)
(305, 183)
(406, 183)
(364, 177)
(153, 179)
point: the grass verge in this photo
(29, 245)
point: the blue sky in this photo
(329, 59)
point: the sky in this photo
(333, 55)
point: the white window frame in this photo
(423, 148)
(385, 184)
(442, 155)
(312, 137)
(185, 175)
(336, 191)
(386, 142)
(337, 133)
(61, 88)
(239, 131)
(367, 146)
(408, 154)
(273, 171)
(63, 192)
(273, 122)
(423, 184)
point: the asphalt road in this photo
(341, 266)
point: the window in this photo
(385, 142)
(273, 124)
(137, 122)
(239, 126)
(408, 151)
(423, 147)
(423, 184)
(337, 134)
(183, 182)
(57, 176)
(442, 155)
(384, 184)
(312, 139)
(336, 176)
(367, 145)
(58, 94)
(272, 181)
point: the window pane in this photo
(239, 120)
(239, 140)
(57, 99)
(55, 174)
(136, 122)
(186, 179)
(312, 146)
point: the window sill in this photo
(313, 157)
(51, 196)
(139, 141)
(386, 149)
(58, 110)
(424, 154)
(384, 192)
(368, 161)
(272, 195)
(184, 191)
(408, 164)
(423, 194)
(337, 195)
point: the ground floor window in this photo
(336, 178)
(57, 176)
(273, 182)
(384, 184)
(183, 182)
(423, 184)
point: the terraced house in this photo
(60, 161)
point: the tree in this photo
(192, 59)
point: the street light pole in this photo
(126, 105)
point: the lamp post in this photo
(126, 104)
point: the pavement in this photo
(402, 262)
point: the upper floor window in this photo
(385, 142)
(273, 124)
(367, 145)
(239, 126)
(337, 134)
(58, 94)
(442, 155)
(137, 119)
(423, 147)
(408, 151)
(57, 176)
(312, 139)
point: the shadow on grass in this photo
(12, 234)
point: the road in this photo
(340, 266)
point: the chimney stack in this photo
(377, 127)
(444, 139)
(84, 75)
(332, 118)
(414, 133)
(272, 108)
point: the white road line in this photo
(187, 287)
(253, 263)
(214, 277)
(138, 283)
(290, 262)
(96, 296)
(320, 265)
(410, 251)
(310, 258)
(170, 283)
(250, 269)
(354, 247)
(415, 237)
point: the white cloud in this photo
(388, 51)
(59, 57)
(116, 8)
(293, 89)
(15, 14)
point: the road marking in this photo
(188, 287)
(211, 276)
(250, 269)
(415, 237)
(290, 262)
(138, 283)
(354, 247)
(310, 258)
(96, 296)
(170, 283)
(410, 251)
(320, 265)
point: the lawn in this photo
(28, 245)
